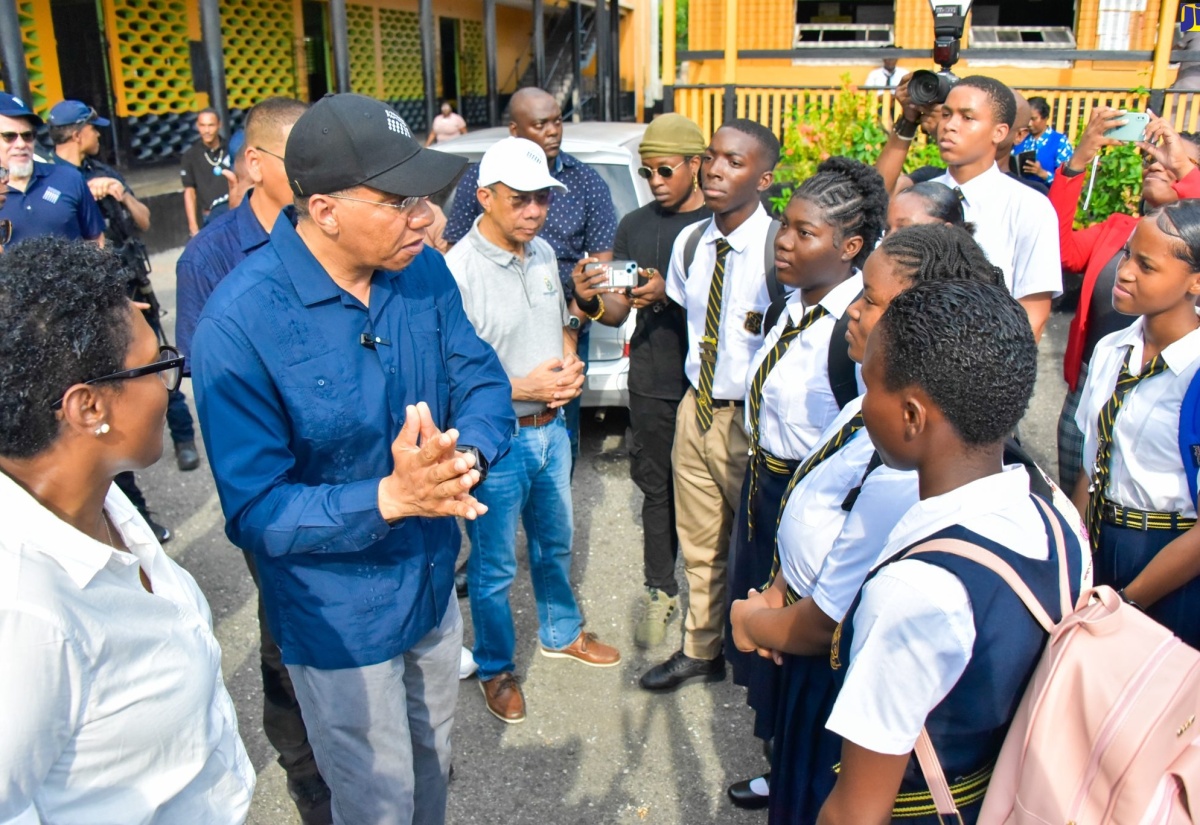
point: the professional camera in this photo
(120, 232)
(927, 88)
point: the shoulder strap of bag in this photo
(843, 379)
(689, 248)
(775, 292)
(776, 309)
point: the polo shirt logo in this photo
(51, 194)
(397, 124)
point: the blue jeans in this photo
(532, 482)
(381, 733)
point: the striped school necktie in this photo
(708, 344)
(840, 439)
(790, 333)
(1105, 425)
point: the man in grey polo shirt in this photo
(512, 293)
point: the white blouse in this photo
(112, 707)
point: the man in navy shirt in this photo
(308, 360)
(43, 199)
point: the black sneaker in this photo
(312, 798)
(187, 458)
(680, 669)
(163, 534)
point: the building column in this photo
(669, 70)
(12, 53)
(428, 61)
(576, 60)
(614, 35)
(341, 45)
(1167, 26)
(603, 62)
(489, 55)
(539, 44)
(214, 51)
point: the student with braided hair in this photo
(793, 389)
(927, 202)
(1169, 174)
(838, 510)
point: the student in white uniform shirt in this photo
(830, 226)
(837, 514)
(935, 642)
(1016, 226)
(112, 706)
(724, 294)
(1141, 515)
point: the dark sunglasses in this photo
(5, 231)
(663, 172)
(542, 197)
(10, 137)
(168, 368)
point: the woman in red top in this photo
(1169, 174)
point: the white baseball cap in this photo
(517, 163)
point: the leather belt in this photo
(537, 419)
(1113, 513)
(724, 402)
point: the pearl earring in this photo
(102, 429)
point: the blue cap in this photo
(70, 112)
(11, 106)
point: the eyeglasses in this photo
(168, 368)
(520, 200)
(404, 205)
(664, 172)
(272, 154)
(11, 137)
(5, 231)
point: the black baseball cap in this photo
(347, 140)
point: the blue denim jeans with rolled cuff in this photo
(532, 483)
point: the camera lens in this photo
(927, 88)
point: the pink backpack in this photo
(1106, 732)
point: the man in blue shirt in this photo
(43, 199)
(308, 360)
(582, 221)
(210, 256)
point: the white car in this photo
(610, 149)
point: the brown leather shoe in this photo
(587, 649)
(503, 696)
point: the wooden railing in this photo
(1070, 109)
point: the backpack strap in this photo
(843, 378)
(935, 777)
(775, 292)
(1189, 435)
(689, 248)
(773, 312)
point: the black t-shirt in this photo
(659, 344)
(1102, 318)
(201, 169)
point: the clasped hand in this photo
(430, 477)
(555, 381)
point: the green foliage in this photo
(1118, 185)
(849, 127)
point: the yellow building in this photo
(141, 62)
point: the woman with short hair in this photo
(111, 705)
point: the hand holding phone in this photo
(1133, 130)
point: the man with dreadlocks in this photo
(830, 226)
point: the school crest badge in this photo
(753, 323)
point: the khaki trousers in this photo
(709, 469)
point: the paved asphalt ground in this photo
(595, 747)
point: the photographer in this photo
(890, 163)
(76, 136)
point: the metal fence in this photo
(1070, 109)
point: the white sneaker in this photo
(466, 664)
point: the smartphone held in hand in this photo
(621, 274)
(1133, 130)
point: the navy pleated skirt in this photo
(1125, 552)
